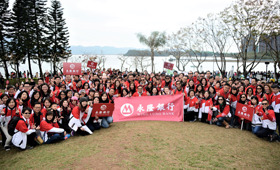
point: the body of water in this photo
(131, 63)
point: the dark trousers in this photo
(3, 137)
(93, 126)
(277, 115)
(55, 138)
(31, 139)
(204, 117)
(64, 125)
(189, 116)
(264, 132)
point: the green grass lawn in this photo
(151, 145)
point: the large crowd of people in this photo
(60, 106)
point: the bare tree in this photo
(175, 47)
(194, 45)
(214, 32)
(123, 59)
(246, 22)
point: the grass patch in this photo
(152, 145)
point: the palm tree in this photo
(154, 41)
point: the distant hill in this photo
(106, 50)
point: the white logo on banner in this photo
(127, 109)
(72, 66)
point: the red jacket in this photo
(224, 113)
(22, 126)
(136, 94)
(12, 113)
(45, 126)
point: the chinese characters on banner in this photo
(92, 64)
(72, 68)
(244, 111)
(168, 66)
(163, 108)
(102, 109)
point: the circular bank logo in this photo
(72, 66)
(127, 109)
(244, 109)
(103, 107)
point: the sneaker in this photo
(29, 147)
(7, 148)
(67, 136)
(72, 133)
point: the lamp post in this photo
(266, 63)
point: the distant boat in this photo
(171, 59)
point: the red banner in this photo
(244, 111)
(168, 66)
(102, 110)
(92, 64)
(72, 68)
(163, 108)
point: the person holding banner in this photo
(269, 122)
(106, 121)
(223, 110)
(244, 100)
(79, 118)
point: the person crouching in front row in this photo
(268, 123)
(223, 110)
(24, 134)
(79, 118)
(50, 130)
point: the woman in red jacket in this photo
(205, 105)
(268, 123)
(7, 114)
(223, 110)
(50, 130)
(191, 107)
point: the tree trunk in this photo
(152, 58)
(40, 67)
(54, 70)
(6, 69)
(29, 63)
(275, 72)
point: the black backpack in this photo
(12, 125)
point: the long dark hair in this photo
(64, 110)
(223, 105)
(33, 100)
(100, 98)
(7, 104)
(49, 113)
(48, 91)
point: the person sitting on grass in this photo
(269, 122)
(7, 114)
(223, 110)
(24, 134)
(79, 117)
(50, 130)
(106, 121)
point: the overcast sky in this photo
(116, 22)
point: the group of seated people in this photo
(55, 108)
